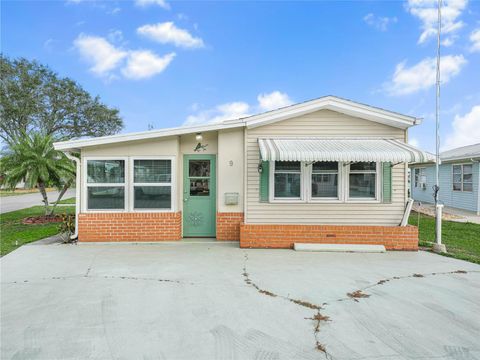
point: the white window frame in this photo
(462, 175)
(378, 182)
(172, 183)
(417, 183)
(86, 184)
(272, 197)
(308, 181)
(128, 184)
(343, 186)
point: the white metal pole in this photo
(438, 247)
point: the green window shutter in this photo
(387, 182)
(264, 181)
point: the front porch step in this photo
(358, 248)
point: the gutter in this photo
(417, 121)
(77, 192)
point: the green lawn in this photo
(4, 193)
(68, 201)
(461, 239)
(13, 233)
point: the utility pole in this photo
(438, 246)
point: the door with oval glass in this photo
(199, 196)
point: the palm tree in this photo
(33, 158)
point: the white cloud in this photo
(168, 33)
(273, 100)
(466, 129)
(421, 76)
(143, 64)
(228, 111)
(379, 22)
(114, 11)
(48, 44)
(238, 109)
(426, 11)
(475, 40)
(413, 142)
(103, 56)
(115, 36)
(144, 3)
(106, 59)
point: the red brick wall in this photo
(228, 225)
(283, 236)
(130, 226)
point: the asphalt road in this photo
(18, 202)
(218, 302)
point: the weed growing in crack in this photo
(317, 318)
(320, 347)
(358, 294)
(266, 292)
(305, 304)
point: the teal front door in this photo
(199, 196)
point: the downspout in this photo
(478, 185)
(77, 192)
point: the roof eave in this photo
(336, 104)
(75, 145)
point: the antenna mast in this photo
(438, 247)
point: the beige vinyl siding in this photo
(322, 123)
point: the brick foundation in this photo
(130, 226)
(228, 225)
(283, 236)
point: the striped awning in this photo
(321, 149)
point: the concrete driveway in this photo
(216, 301)
(18, 202)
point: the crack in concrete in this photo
(93, 261)
(98, 277)
(359, 293)
(318, 317)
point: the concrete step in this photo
(339, 248)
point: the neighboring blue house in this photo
(459, 179)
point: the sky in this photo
(171, 63)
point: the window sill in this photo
(363, 201)
(286, 201)
(100, 211)
(332, 201)
(128, 211)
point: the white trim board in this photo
(333, 103)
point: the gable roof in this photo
(464, 152)
(333, 103)
(337, 104)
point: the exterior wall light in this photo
(199, 137)
(260, 168)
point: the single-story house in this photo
(459, 178)
(328, 170)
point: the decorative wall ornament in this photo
(200, 147)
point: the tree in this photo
(34, 98)
(33, 158)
